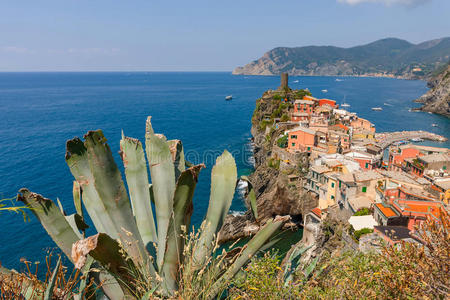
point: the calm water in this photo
(40, 111)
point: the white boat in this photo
(345, 105)
(377, 108)
(434, 125)
(295, 81)
(337, 79)
(229, 97)
(430, 112)
(417, 140)
(324, 91)
(387, 104)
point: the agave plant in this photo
(130, 238)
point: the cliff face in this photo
(388, 57)
(437, 99)
(278, 185)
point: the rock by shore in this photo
(437, 99)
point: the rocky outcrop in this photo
(437, 99)
(383, 58)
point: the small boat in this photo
(417, 140)
(387, 104)
(430, 112)
(324, 91)
(337, 79)
(295, 81)
(434, 125)
(345, 105)
(377, 108)
(229, 97)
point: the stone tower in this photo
(284, 81)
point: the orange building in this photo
(329, 102)
(304, 106)
(301, 139)
(397, 156)
(362, 124)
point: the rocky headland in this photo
(437, 99)
(389, 57)
(277, 184)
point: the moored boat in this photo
(229, 97)
(377, 108)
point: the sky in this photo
(197, 35)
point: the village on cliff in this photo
(380, 183)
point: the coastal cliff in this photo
(389, 57)
(277, 180)
(437, 99)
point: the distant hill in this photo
(437, 99)
(387, 57)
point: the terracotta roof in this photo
(386, 211)
(342, 126)
(317, 211)
(424, 208)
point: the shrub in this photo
(282, 142)
(362, 212)
(273, 163)
(358, 233)
(302, 93)
(284, 118)
(276, 97)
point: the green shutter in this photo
(364, 189)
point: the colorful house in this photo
(329, 102)
(304, 106)
(301, 139)
(443, 186)
(362, 124)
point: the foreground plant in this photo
(140, 255)
(58, 283)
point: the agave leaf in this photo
(51, 219)
(223, 183)
(108, 253)
(181, 219)
(84, 280)
(111, 190)
(176, 149)
(310, 268)
(292, 262)
(77, 223)
(51, 284)
(137, 180)
(163, 182)
(76, 191)
(268, 230)
(61, 232)
(77, 160)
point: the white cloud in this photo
(386, 2)
(16, 50)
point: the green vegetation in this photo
(277, 97)
(137, 255)
(282, 142)
(390, 55)
(362, 212)
(263, 124)
(410, 271)
(273, 163)
(302, 93)
(358, 233)
(284, 118)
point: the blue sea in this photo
(40, 111)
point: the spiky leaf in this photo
(183, 208)
(163, 183)
(258, 241)
(136, 174)
(223, 183)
